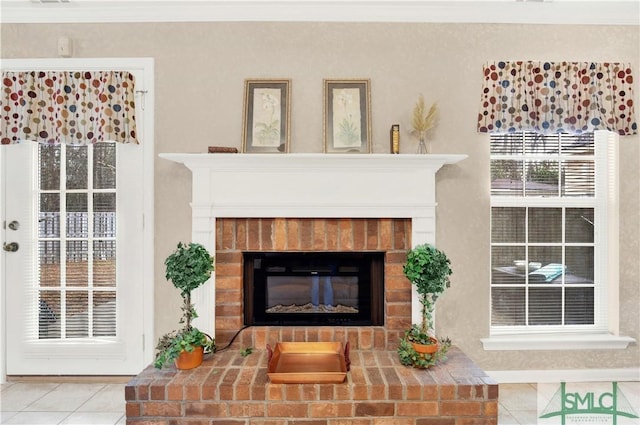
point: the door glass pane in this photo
(49, 215)
(77, 223)
(49, 156)
(77, 263)
(49, 315)
(49, 256)
(77, 314)
(104, 217)
(104, 165)
(76, 166)
(104, 313)
(104, 263)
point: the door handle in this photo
(14, 225)
(10, 247)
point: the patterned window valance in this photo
(557, 97)
(76, 107)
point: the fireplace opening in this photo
(313, 288)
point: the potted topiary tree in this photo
(188, 267)
(428, 269)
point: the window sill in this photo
(524, 342)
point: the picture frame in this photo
(266, 116)
(347, 116)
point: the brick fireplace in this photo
(312, 203)
(236, 235)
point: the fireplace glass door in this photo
(314, 288)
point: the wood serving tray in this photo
(307, 363)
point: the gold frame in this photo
(261, 100)
(355, 99)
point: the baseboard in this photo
(568, 375)
(75, 379)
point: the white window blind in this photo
(548, 231)
(77, 241)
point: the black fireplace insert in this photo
(314, 288)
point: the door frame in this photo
(145, 127)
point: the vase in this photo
(423, 148)
(426, 348)
(189, 360)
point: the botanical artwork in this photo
(346, 118)
(267, 117)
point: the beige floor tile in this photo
(20, 395)
(518, 397)
(108, 399)
(4, 416)
(37, 418)
(92, 418)
(66, 397)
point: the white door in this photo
(76, 297)
(72, 250)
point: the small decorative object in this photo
(395, 138)
(428, 269)
(221, 149)
(188, 267)
(347, 116)
(422, 122)
(308, 363)
(267, 106)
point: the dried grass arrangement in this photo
(423, 121)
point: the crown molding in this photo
(624, 12)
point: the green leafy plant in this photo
(246, 351)
(410, 357)
(188, 267)
(428, 269)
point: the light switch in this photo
(65, 47)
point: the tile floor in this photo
(33, 403)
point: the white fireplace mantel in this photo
(309, 185)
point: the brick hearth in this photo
(229, 389)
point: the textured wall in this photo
(200, 72)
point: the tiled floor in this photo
(30, 403)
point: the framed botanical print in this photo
(266, 116)
(347, 116)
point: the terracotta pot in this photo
(426, 348)
(189, 360)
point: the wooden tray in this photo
(307, 363)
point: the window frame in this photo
(605, 204)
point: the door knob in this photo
(10, 247)
(14, 225)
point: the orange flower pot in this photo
(189, 360)
(426, 348)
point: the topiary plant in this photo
(188, 267)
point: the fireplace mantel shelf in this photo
(306, 161)
(309, 185)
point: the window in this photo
(77, 240)
(549, 232)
